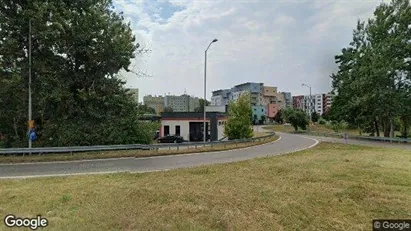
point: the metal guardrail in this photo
(341, 135)
(48, 150)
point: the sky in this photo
(277, 42)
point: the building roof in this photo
(193, 115)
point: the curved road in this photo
(286, 144)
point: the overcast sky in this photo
(279, 43)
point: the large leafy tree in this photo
(239, 125)
(78, 47)
(373, 81)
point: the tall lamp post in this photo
(30, 122)
(205, 90)
(305, 85)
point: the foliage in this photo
(322, 121)
(201, 107)
(279, 117)
(238, 125)
(168, 109)
(315, 117)
(297, 118)
(378, 60)
(144, 109)
(262, 120)
(337, 126)
(78, 47)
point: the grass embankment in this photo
(317, 128)
(329, 187)
(130, 153)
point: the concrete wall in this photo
(220, 129)
(184, 127)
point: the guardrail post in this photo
(178, 147)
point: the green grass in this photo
(312, 128)
(129, 153)
(329, 187)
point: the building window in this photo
(262, 110)
(177, 130)
(166, 130)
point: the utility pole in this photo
(30, 122)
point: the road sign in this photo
(32, 135)
(31, 124)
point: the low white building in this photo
(189, 125)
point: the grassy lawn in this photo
(329, 187)
(313, 128)
(129, 153)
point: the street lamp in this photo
(205, 90)
(310, 102)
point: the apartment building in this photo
(288, 100)
(155, 102)
(265, 101)
(182, 103)
(298, 102)
(320, 103)
(327, 101)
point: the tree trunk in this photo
(16, 132)
(405, 127)
(391, 128)
(377, 130)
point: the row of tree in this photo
(373, 81)
(78, 47)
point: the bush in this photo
(297, 118)
(322, 121)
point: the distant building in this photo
(134, 94)
(155, 102)
(288, 100)
(182, 103)
(298, 102)
(265, 101)
(328, 100)
(320, 103)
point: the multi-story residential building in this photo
(264, 100)
(298, 102)
(320, 103)
(288, 100)
(182, 103)
(327, 101)
(134, 94)
(220, 97)
(155, 102)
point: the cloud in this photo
(280, 43)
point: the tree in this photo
(78, 47)
(144, 109)
(255, 119)
(201, 107)
(238, 125)
(262, 120)
(279, 117)
(378, 59)
(297, 118)
(315, 117)
(168, 109)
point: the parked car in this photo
(198, 137)
(157, 135)
(171, 139)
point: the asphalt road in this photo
(286, 144)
